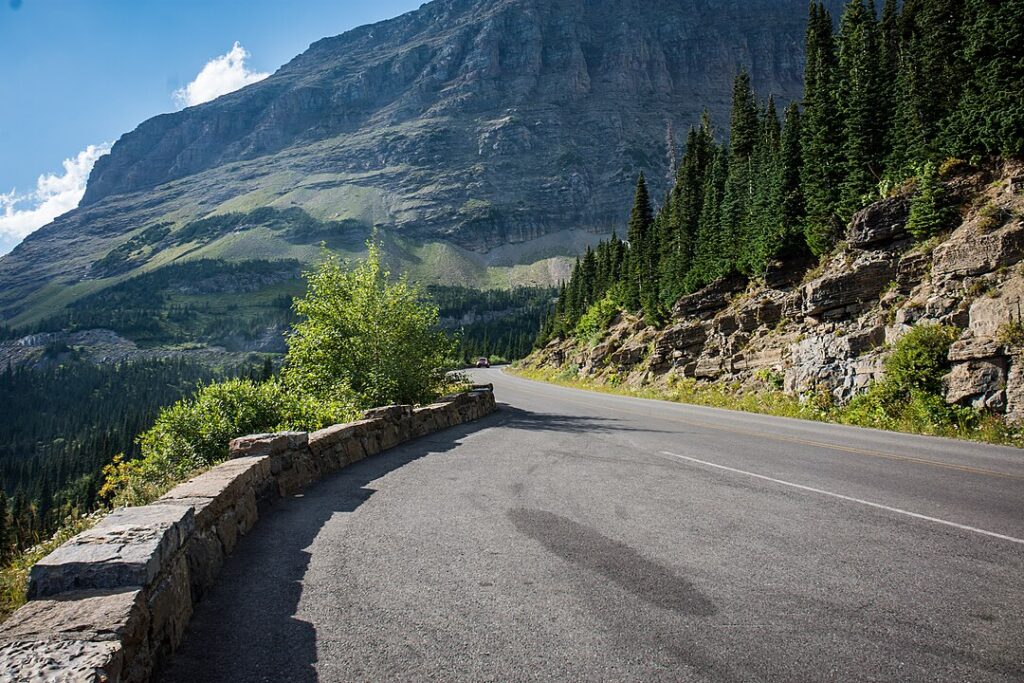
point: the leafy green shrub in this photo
(194, 433)
(919, 359)
(362, 332)
(1011, 334)
(594, 323)
(770, 378)
(910, 396)
(930, 210)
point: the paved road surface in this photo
(574, 536)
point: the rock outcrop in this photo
(832, 330)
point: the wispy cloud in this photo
(220, 76)
(55, 194)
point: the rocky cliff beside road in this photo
(830, 329)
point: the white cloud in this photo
(220, 76)
(54, 195)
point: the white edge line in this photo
(850, 499)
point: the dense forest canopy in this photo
(60, 425)
(887, 97)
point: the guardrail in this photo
(112, 602)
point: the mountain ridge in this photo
(473, 123)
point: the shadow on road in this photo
(245, 629)
(517, 418)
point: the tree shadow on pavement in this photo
(517, 418)
(245, 628)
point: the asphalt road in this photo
(574, 536)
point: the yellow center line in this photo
(796, 439)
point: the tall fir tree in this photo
(821, 128)
(5, 535)
(641, 248)
(929, 82)
(790, 188)
(743, 133)
(989, 117)
(686, 199)
(763, 231)
(888, 70)
(711, 257)
(859, 105)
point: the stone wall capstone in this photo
(112, 602)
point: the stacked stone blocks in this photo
(112, 602)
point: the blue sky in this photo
(82, 72)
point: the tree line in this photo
(887, 97)
(61, 424)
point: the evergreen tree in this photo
(929, 82)
(641, 275)
(859, 105)
(821, 174)
(711, 258)
(790, 188)
(763, 231)
(743, 135)
(888, 69)
(20, 521)
(930, 209)
(989, 118)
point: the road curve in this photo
(575, 536)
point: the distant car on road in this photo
(483, 363)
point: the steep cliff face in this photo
(832, 330)
(476, 123)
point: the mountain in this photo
(481, 137)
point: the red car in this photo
(483, 363)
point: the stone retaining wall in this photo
(112, 602)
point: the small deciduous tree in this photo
(362, 331)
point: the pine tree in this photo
(821, 129)
(711, 258)
(929, 81)
(790, 189)
(930, 210)
(20, 523)
(641, 276)
(989, 118)
(763, 233)
(888, 68)
(743, 134)
(859, 106)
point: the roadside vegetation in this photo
(891, 102)
(909, 398)
(362, 339)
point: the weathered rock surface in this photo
(831, 332)
(849, 286)
(129, 547)
(883, 222)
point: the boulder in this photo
(980, 384)
(880, 223)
